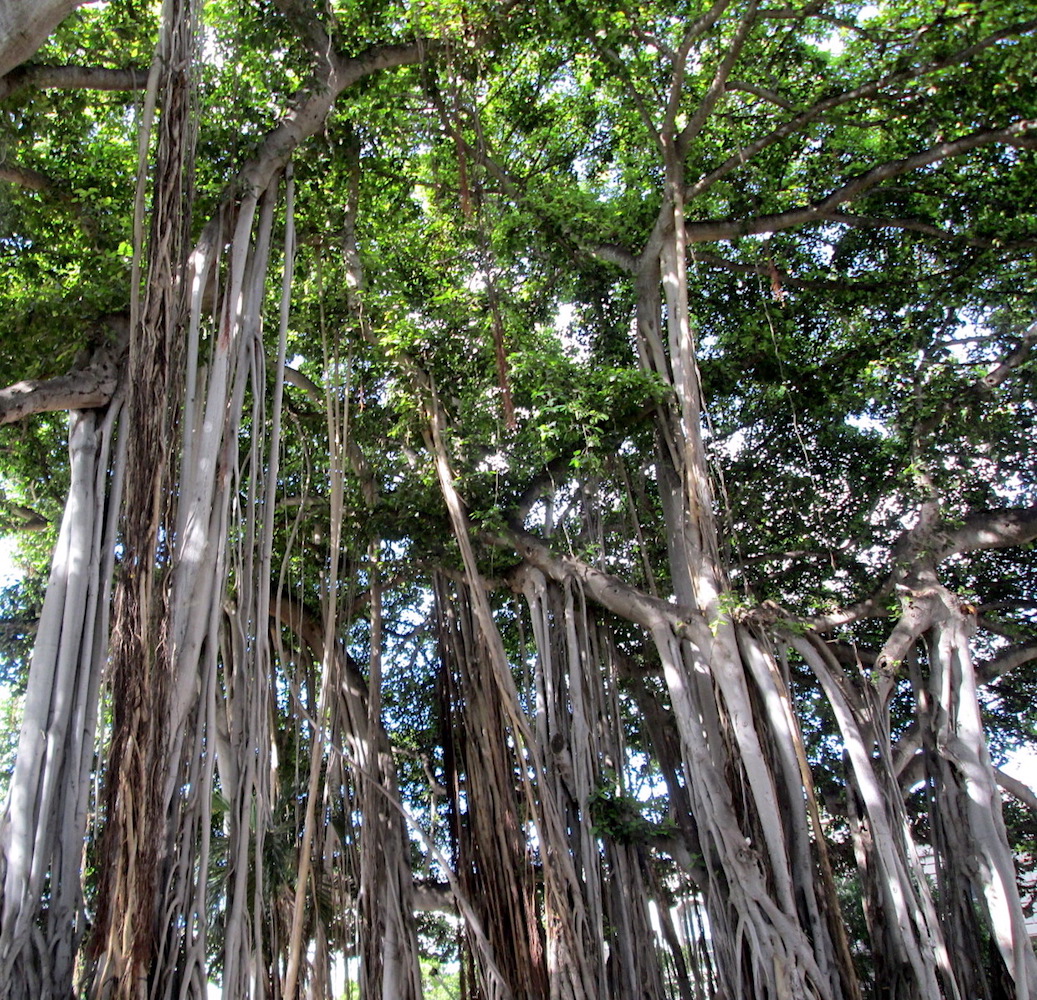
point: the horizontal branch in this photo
(910, 226)
(875, 606)
(26, 177)
(927, 547)
(82, 390)
(72, 78)
(988, 529)
(773, 273)
(85, 389)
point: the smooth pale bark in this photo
(750, 850)
(245, 760)
(245, 704)
(202, 489)
(910, 927)
(89, 388)
(960, 739)
(44, 821)
(25, 26)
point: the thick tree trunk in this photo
(972, 855)
(44, 821)
(24, 27)
(757, 850)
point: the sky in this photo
(8, 572)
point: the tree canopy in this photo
(538, 492)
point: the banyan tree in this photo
(533, 500)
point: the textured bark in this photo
(565, 917)
(749, 841)
(578, 720)
(128, 931)
(89, 388)
(494, 867)
(974, 855)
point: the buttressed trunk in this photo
(731, 703)
(45, 819)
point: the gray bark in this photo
(84, 389)
(25, 26)
(44, 820)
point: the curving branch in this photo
(714, 91)
(612, 593)
(304, 120)
(309, 627)
(997, 666)
(85, 389)
(823, 210)
(695, 30)
(770, 96)
(874, 606)
(303, 18)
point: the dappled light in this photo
(518, 501)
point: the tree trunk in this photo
(24, 27)
(776, 927)
(45, 819)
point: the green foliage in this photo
(621, 817)
(498, 195)
(441, 983)
(10, 726)
(20, 606)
